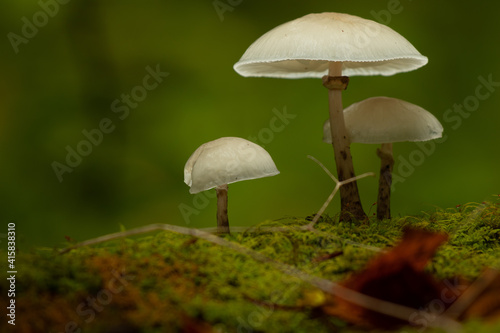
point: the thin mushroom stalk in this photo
(222, 219)
(385, 181)
(350, 201)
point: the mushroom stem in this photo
(350, 202)
(222, 219)
(385, 181)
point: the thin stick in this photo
(471, 293)
(368, 302)
(324, 168)
(330, 198)
(337, 187)
(159, 226)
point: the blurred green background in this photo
(84, 55)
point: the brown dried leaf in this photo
(396, 276)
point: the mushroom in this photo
(223, 161)
(384, 120)
(327, 46)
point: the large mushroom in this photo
(327, 46)
(223, 161)
(385, 120)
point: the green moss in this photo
(165, 281)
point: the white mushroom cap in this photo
(303, 47)
(227, 160)
(385, 120)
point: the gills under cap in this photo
(227, 160)
(303, 48)
(378, 120)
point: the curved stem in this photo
(349, 196)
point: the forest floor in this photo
(167, 282)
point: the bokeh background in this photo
(84, 55)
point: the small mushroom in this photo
(223, 161)
(327, 46)
(384, 120)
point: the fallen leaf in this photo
(396, 276)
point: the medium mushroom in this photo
(223, 161)
(384, 120)
(327, 46)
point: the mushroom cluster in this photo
(330, 46)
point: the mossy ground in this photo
(165, 282)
